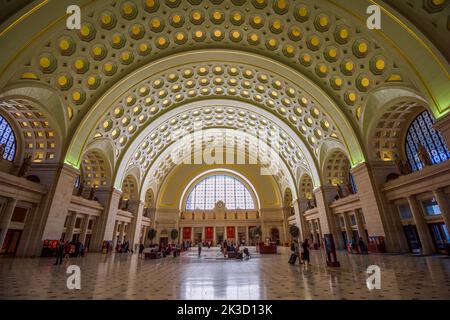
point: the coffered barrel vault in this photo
(106, 112)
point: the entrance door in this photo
(344, 237)
(164, 241)
(440, 235)
(412, 237)
(87, 242)
(11, 241)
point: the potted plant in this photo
(173, 235)
(294, 231)
(151, 235)
(256, 234)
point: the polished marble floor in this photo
(126, 276)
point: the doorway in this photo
(344, 238)
(87, 241)
(439, 233)
(11, 241)
(164, 241)
(413, 238)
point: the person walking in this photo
(199, 245)
(141, 249)
(59, 252)
(305, 246)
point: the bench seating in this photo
(152, 255)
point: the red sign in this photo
(231, 234)
(187, 233)
(209, 233)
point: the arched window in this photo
(8, 139)
(216, 188)
(421, 131)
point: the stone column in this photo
(122, 232)
(84, 227)
(444, 205)
(369, 180)
(105, 226)
(60, 200)
(114, 237)
(136, 225)
(348, 227)
(247, 236)
(421, 225)
(399, 233)
(324, 196)
(27, 233)
(300, 218)
(70, 226)
(6, 219)
(361, 226)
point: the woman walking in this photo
(305, 246)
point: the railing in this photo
(349, 203)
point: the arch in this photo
(207, 192)
(386, 117)
(277, 167)
(130, 188)
(32, 94)
(236, 175)
(94, 117)
(95, 169)
(336, 168)
(7, 140)
(149, 201)
(287, 199)
(139, 143)
(399, 39)
(421, 131)
(39, 136)
(306, 187)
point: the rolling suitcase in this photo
(293, 258)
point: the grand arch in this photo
(301, 100)
(116, 92)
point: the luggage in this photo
(293, 258)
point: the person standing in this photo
(59, 252)
(141, 249)
(305, 246)
(362, 246)
(67, 250)
(199, 245)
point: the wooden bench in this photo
(234, 255)
(152, 255)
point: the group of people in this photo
(65, 249)
(124, 247)
(304, 256)
(360, 246)
(162, 249)
(186, 245)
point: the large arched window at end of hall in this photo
(8, 139)
(217, 188)
(421, 131)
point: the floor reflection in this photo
(212, 277)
